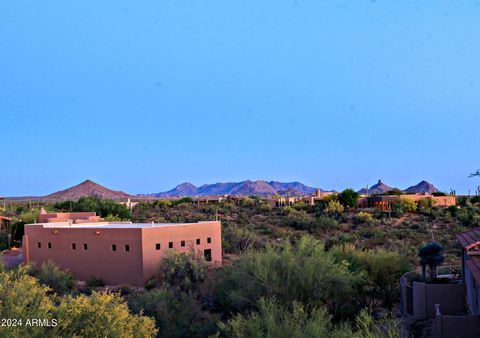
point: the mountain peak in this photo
(87, 188)
(378, 188)
(422, 187)
(186, 185)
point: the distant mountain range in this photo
(380, 188)
(245, 188)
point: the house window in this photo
(182, 243)
(127, 248)
(170, 245)
(198, 241)
(49, 245)
(157, 246)
(74, 246)
(208, 255)
(114, 247)
(209, 240)
(39, 245)
(85, 246)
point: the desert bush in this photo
(408, 205)
(302, 272)
(275, 320)
(151, 284)
(59, 281)
(363, 218)
(176, 314)
(95, 282)
(100, 315)
(334, 209)
(381, 270)
(183, 271)
(103, 207)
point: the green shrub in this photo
(183, 270)
(176, 314)
(95, 282)
(363, 218)
(302, 272)
(151, 284)
(59, 281)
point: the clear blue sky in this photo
(142, 95)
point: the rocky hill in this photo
(422, 187)
(86, 189)
(378, 188)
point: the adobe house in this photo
(318, 195)
(74, 217)
(385, 202)
(118, 253)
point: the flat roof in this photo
(113, 225)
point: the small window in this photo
(85, 246)
(39, 245)
(182, 243)
(198, 241)
(114, 247)
(74, 246)
(209, 240)
(208, 255)
(49, 245)
(127, 248)
(170, 245)
(157, 246)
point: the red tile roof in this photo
(466, 239)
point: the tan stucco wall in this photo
(116, 267)
(451, 298)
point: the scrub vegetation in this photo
(300, 271)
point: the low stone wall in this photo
(450, 297)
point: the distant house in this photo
(280, 202)
(74, 217)
(317, 196)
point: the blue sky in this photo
(142, 95)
